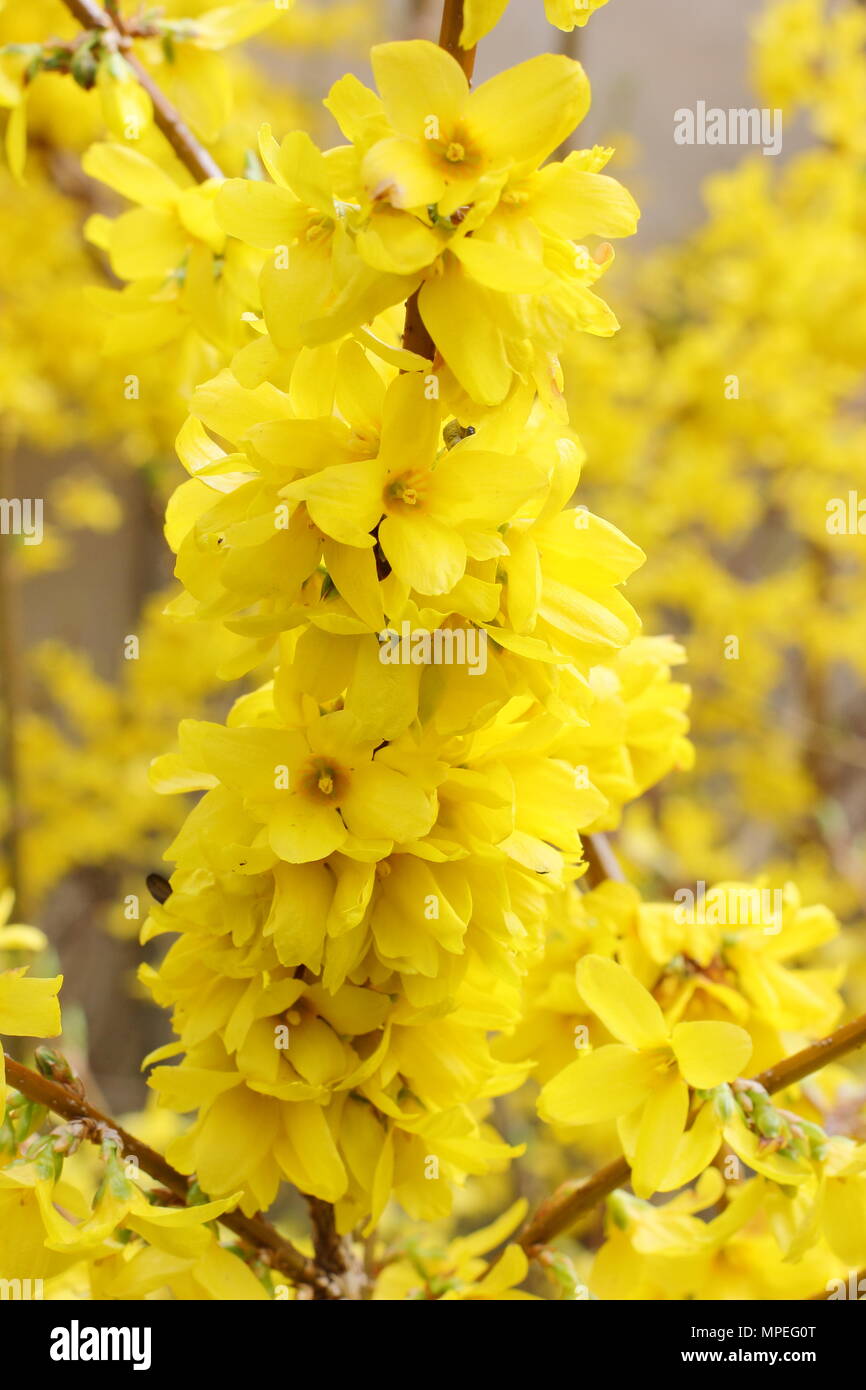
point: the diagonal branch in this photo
(188, 149)
(256, 1233)
(575, 1198)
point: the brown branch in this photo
(200, 163)
(449, 36)
(575, 1198)
(603, 863)
(275, 1250)
(415, 335)
(334, 1255)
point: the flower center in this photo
(457, 153)
(323, 781)
(407, 489)
(318, 230)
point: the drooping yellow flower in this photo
(647, 1074)
(448, 140)
(480, 16)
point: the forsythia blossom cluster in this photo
(380, 844)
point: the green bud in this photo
(797, 1146)
(618, 1207)
(768, 1122)
(118, 1183)
(117, 67)
(47, 1161)
(724, 1105)
(815, 1137)
(54, 60)
(563, 1272)
(84, 67)
(55, 1067)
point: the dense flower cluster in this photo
(391, 834)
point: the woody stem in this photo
(198, 161)
(253, 1231)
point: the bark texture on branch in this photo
(278, 1252)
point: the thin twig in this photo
(575, 1198)
(601, 860)
(449, 36)
(276, 1251)
(200, 163)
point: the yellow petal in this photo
(625, 1008)
(131, 174)
(303, 167)
(696, 1149)
(553, 88)
(844, 1213)
(573, 203)
(478, 359)
(145, 242)
(402, 172)
(571, 14)
(301, 830)
(344, 500)
(397, 243)
(260, 214)
(383, 804)
(602, 1086)
(310, 1139)
(661, 1127)
(501, 267)
(16, 140)
(29, 1008)
(479, 17)
(423, 552)
(710, 1053)
(418, 80)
